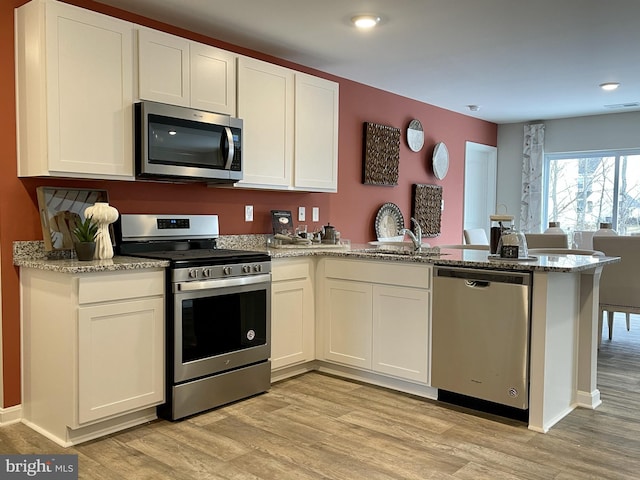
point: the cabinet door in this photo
(292, 323)
(265, 103)
(163, 67)
(347, 324)
(120, 357)
(401, 332)
(213, 79)
(90, 92)
(316, 134)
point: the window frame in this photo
(616, 153)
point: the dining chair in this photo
(546, 240)
(475, 236)
(619, 282)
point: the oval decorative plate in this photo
(440, 160)
(389, 221)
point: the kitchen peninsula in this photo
(564, 316)
(564, 326)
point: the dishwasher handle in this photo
(477, 276)
(477, 284)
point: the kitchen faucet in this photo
(416, 237)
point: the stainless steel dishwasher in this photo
(480, 334)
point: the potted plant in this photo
(85, 238)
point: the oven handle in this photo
(220, 283)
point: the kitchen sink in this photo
(402, 251)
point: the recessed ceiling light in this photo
(473, 108)
(365, 21)
(609, 86)
(172, 132)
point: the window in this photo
(583, 190)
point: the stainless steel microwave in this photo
(181, 144)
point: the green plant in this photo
(86, 230)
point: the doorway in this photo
(480, 173)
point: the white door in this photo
(480, 172)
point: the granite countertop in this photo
(76, 266)
(31, 255)
(456, 258)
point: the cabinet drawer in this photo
(109, 286)
(290, 270)
(399, 274)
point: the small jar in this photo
(513, 244)
(499, 224)
(554, 228)
(606, 230)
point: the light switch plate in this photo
(248, 213)
(315, 214)
(301, 214)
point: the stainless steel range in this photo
(218, 311)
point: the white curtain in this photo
(532, 166)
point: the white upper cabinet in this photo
(265, 103)
(290, 137)
(181, 72)
(74, 90)
(316, 134)
(213, 79)
(163, 68)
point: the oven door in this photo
(220, 325)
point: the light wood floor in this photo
(320, 427)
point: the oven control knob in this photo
(206, 272)
(227, 270)
(193, 273)
(246, 269)
(257, 268)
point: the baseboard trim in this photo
(10, 415)
(589, 400)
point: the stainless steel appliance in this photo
(218, 311)
(182, 144)
(480, 334)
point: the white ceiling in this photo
(519, 60)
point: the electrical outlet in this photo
(248, 213)
(301, 214)
(315, 214)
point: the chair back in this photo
(620, 282)
(476, 236)
(546, 240)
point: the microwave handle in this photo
(231, 149)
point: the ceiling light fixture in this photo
(609, 86)
(473, 108)
(365, 21)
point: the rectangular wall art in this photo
(381, 154)
(427, 208)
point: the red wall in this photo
(352, 210)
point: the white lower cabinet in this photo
(401, 332)
(93, 351)
(347, 324)
(376, 316)
(292, 312)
